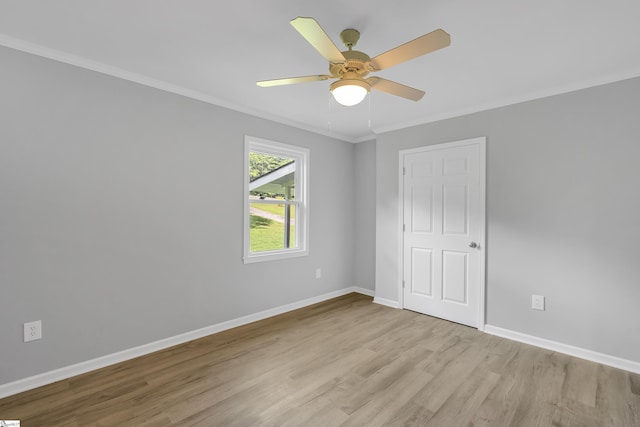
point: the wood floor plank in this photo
(614, 396)
(342, 362)
(581, 382)
(634, 383)
(462, 405)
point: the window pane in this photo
(272, 226)
(271, 176)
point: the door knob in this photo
(473, 245)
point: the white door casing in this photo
(442, 206)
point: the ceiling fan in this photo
(351, 67)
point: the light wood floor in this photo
(344, 362)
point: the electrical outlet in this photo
(33, 331)
(537, 302)
(318, 273)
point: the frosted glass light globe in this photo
(349, 92)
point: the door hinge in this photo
(403, 284)
(404, 171)
(404, 227)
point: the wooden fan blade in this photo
(421, 46)
(291, 80)
(394, 88)
(316, 36)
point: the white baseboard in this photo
(45, 378)
(387, 302)
(364, 291)
(594, 356)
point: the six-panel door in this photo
(442, 221)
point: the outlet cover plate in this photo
(537, 302)
(32, 331)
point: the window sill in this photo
(272, 256)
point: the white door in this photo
(443, 239)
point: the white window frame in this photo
(301, 202)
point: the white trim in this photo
(364, 138)
(45, 378)
(504, 102)
(67, 58)
(78, 61)
(364, 291)
(274, 255)
(388, 302)
(302, 157)
(582, 353)
(481, 142)
(482, 316)
(400, 229)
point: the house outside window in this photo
(276, 200)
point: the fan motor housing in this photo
(356, 61)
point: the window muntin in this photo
(276, 208)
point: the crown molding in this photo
(78, 61)
(81, 62)
(557, 90)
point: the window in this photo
(275, 203)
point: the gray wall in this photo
(563, 214)
(364, 219)
(121, 215)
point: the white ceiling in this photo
(502, 51)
